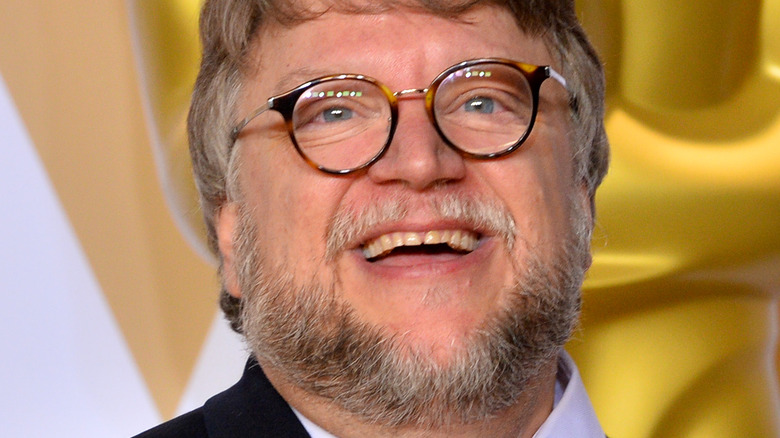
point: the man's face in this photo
(430, 301)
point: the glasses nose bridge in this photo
(416, 93)
(410, 93)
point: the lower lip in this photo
(425, 265)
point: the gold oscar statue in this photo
(680, 321)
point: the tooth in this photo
(432, 237)
(472, 242)
(454, 240)
(368, 250)
(445, 236)
(398, 240)
(387, 243)
(412, 239)
(465, 242)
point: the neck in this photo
(521, 420)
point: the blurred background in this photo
(110, 322)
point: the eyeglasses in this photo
(483, 109)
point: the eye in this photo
(324, 108)
(479, 104)
(338, 109)
(326, 113)
(335, 114)
(482, 102)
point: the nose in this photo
(417, 157)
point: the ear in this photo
(226, 221)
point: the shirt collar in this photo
(573, 414)
(314, 430)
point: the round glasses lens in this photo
(341, 124)
(484, 109)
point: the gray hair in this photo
(228, 29)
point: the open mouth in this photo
(430, 242)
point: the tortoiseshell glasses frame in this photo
(339, 124)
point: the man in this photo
(401, 197)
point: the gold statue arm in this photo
(168, 53)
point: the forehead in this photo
(403, 48)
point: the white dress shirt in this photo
(572, 415)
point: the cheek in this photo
(536, 186)
(266, 196)
(530, 204)
(292, 205)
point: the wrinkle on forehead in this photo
(290, 13)
(274, 31)
(534, 18)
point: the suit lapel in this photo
(251, 408)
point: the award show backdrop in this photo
(109, 320)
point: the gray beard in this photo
(321, 345)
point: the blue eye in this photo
(336, 114)
(478, 104)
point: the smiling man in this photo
(401, 197)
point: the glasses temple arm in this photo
(557, 76)
(241, 125)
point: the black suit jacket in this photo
(250, 408)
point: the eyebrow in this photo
(295, 78)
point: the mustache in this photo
(489, 216)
